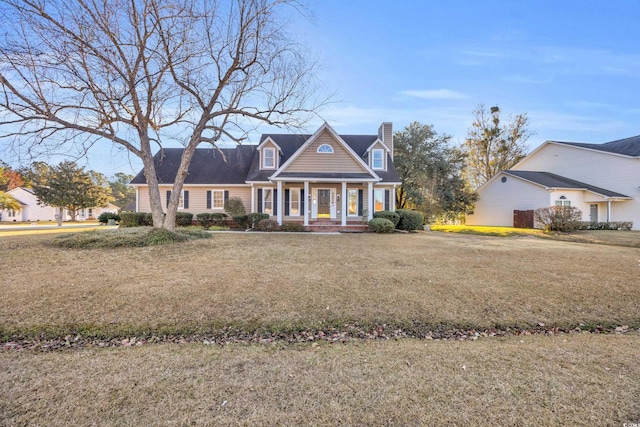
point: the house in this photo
(319, 179)
(33, 211)
(602, 180)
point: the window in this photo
(181, 201)
(378, 200)
(352, 202)
(294, 202)
(563, 201)
(217, 199)
(267, 201)
(377, 159)
(269, 158)
(12, 213)
(325, 148)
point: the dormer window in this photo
(325, 148)
(377, 158)
(268, 158)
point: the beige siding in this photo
(338, 161)
(197, 198)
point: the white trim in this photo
(266, 141)
(356, 190)
(382, 156)
(263, 165)
(340, 141)
(343, 207)
(292, 191)
(324, 152)
(279, 203)
(264, 209)
(213, 198)
(307, 203)
(332, 180)
(378, 141)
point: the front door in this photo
(593, 210)
(324, 203)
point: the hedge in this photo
(391, 216)
(410, 220)
(381, 225)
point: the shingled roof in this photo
(208, 165)
(627, 146)
(551, 180)
(243, 163)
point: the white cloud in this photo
(435, 94)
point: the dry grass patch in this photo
(580, 379)
(307, 281)
(602, 237)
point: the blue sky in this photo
(572, 66)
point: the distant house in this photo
(307, 179)
(32, 211)
(602, 180)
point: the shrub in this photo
(268, 225)
(558, 218)
(391, 216)
(256, 217)
(208, 219)
(135, 219)
(242, 221)
(409, 220)
(104, 217)
(381, 225)
(184, 219)
(292, 226)
(614, 225)
(234, 206)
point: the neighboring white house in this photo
(602, 180)
(32, 211)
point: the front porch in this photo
(323, 205)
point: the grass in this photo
(287, 283)
(580, 379)
(603, 237)
(274, 283)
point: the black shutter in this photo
(302, 202)
(275, 202)
(360, 201)
(386, 200)
(260, 200)
(209, 199)
(186, 199)
(226, 196)
(286, 202)
(168, 197)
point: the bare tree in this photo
(491, 147)
(142, 73)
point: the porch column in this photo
(608, 210)
(370, 201)
(279, 202)
(307, 205)
(393, 199)
(344, 203)
(253, 199)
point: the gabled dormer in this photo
(270, 154)
(377, 156)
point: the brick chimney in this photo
(385, 133)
